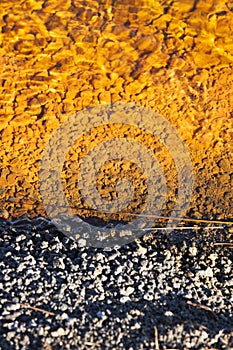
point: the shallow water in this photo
(173, 57)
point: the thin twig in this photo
(33, 308)
(226, 244)
(174, 218)
(156, 338)
(204, 307)
(179, 228)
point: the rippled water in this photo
(172, 57)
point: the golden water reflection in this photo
(59, 57)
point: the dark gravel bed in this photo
(164, 291)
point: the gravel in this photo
(163, 291)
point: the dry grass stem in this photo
(224, 244)
(156, 338)
(204, 307)
(33, 308)
(198, 221)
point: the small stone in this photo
(82, 242)
(205, 273)
(193, 251)
(59, 332)
(148, 296)
(64, 316)
(213, 256)
(142, 250)
(119, 270)
(127, 291)
(124, 299)
(136, 326)
(168, 313)
(44, 245)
